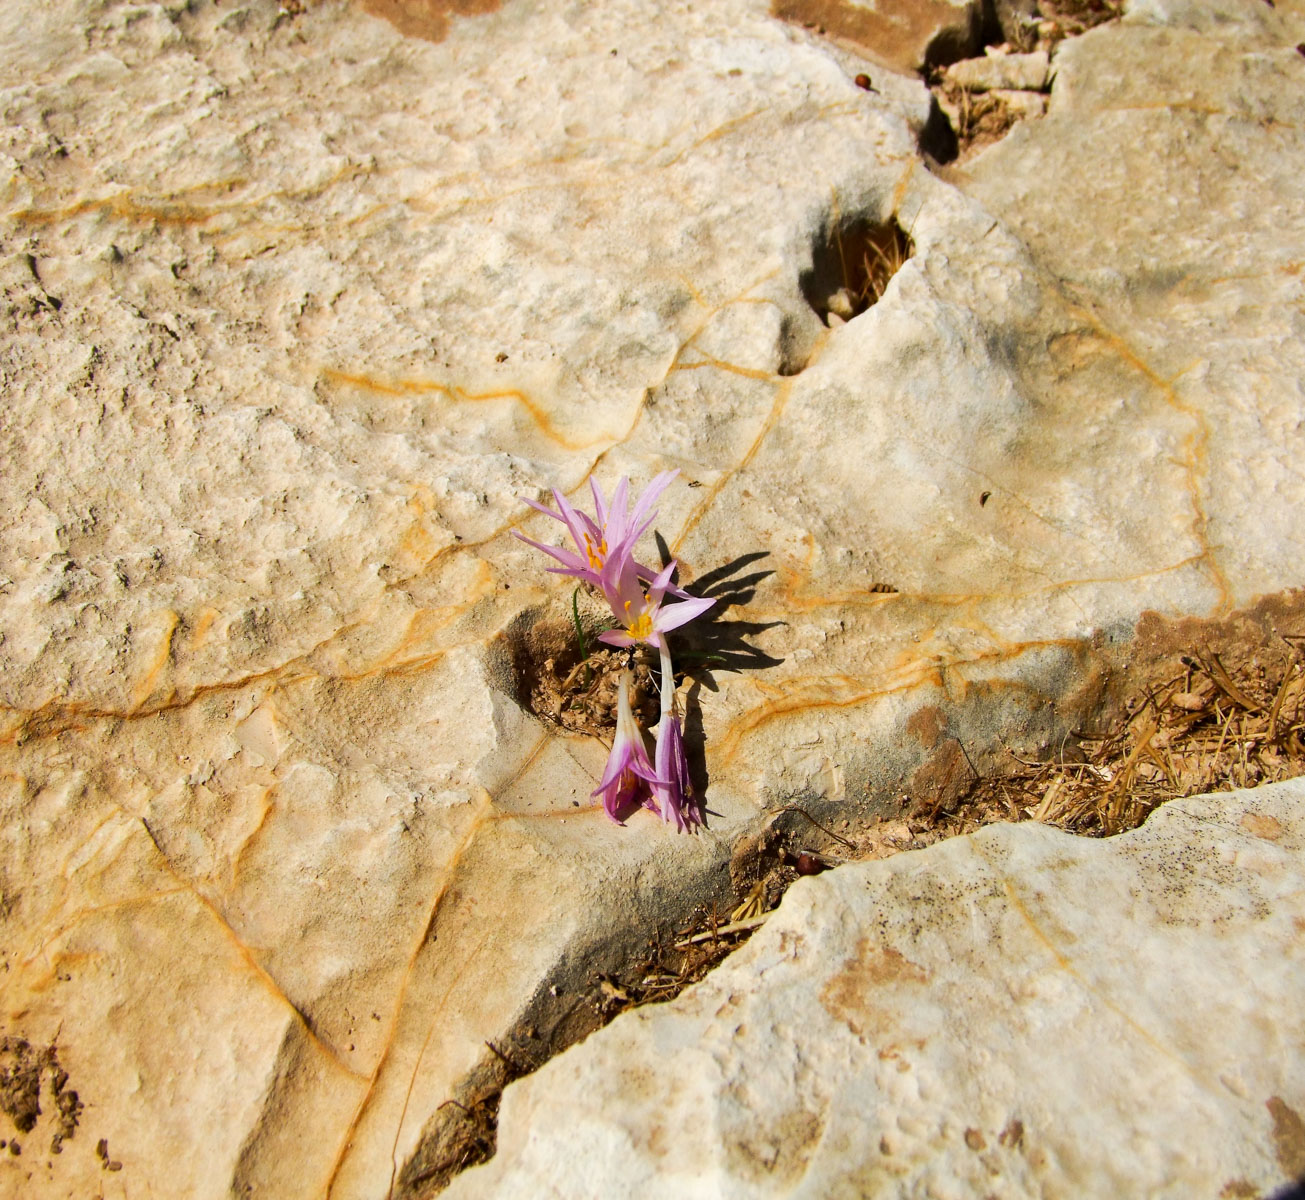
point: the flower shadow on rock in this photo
(711, 644)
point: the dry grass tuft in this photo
(868, 256)
(1211, 726)
(1214, 721)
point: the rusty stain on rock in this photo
(1262, 826)
(1288, 1137)
(847, 995)
(926, 725)
(427, 19)
(945, 777)
(909, 35)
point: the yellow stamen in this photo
(641, 627)
(597, 555)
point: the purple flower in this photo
(642, 613)
(613, 534)
(673, 789)
(627, 779)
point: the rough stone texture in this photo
(297, 307)
(1022, 105)
(1027, 72)
(1014, 1013)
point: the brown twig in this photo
(795, 808)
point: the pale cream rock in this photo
(1017, 1012)
(996, 72)
(298, 308)
(1022, 105)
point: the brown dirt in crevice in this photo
(1201, 706)
(427, 19)
(926, 36)
(464, 1131)
(1053, 21)
(570, 691)
(979, 119)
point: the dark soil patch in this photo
(573, 690)
(27, 1072)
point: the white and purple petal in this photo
(672, 616)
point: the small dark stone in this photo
(809, 864)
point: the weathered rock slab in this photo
(299, 302)
(992, 72)
(1017, 1012)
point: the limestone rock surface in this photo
(1017, 1012)
(1021, 72)
(299, 301)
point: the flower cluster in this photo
(637, 596)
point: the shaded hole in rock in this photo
(938, 138)
(552, 679)
(851, 265)
(975, 120)
(794, 350)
